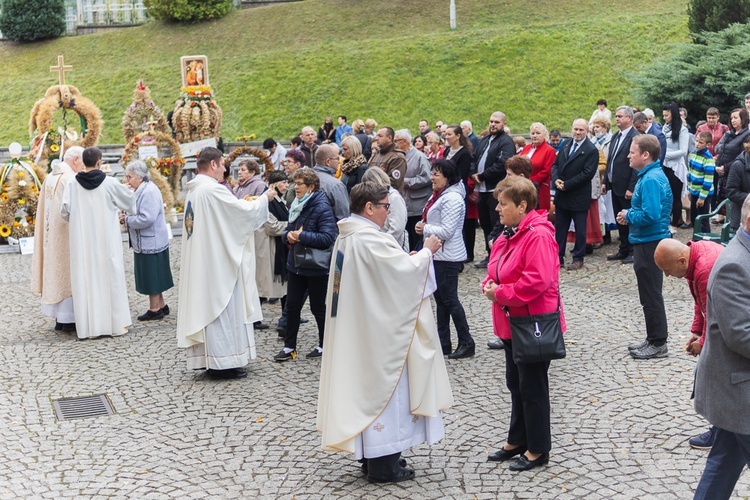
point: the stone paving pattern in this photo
(619, 426)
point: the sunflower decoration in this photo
(20, 183)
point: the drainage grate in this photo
(83, 407)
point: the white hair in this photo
(139, 169)
(72, 153)
(467, 124)
(649, 112)
(402, 134)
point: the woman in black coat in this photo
(729, 148)
(738, 184)
(311, 224)
(459, 151)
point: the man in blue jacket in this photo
(648, 218)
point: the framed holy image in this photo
(194, 71)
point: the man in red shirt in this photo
(692, 261)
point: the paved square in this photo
(619, 426)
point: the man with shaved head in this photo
(693, 261)
(575, 166)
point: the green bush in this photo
(715, 15)
(714, 71)
(188, 11)
(29, 20)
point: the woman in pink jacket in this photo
(523, 277)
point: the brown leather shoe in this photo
(575, 265)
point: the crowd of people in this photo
(376, 222)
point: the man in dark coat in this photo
(575, 166)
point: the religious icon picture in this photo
(194, 70)
(189, 220)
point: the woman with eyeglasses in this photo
(150, 241)
(311, 224)
(395, 222)
(443, 217)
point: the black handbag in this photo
(312, 258)
(537, 338)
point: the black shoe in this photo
(68, 327)
(617, 256)
(685, 226)
(502, 454)
(151, 315)
(462, 351)
(404, 474)
(259, 325)
(482, 264)
(302, 321)
(273, 300)
(363, 461)
(165, 310)
(229, 374)
(447, 349)
(469, 260)
(285, 356)
(523, 463)
(627, 260)
(589, 249)
(58, 326)
(496, 344)
(315, 353)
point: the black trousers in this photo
(563, 218)
(414, 238)
(448, 306)
(530, 409)
(470, 237)
(297, 287)
(488, 216)
(650, 278)
(619, 203)
(676, 185)
(695, 211)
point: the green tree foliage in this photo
(188, 11)
(714, 71)
(29, 20)
(715, 15)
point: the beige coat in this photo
(50, 268)
(269, 286)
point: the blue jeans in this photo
(728, 457)
(448, 305)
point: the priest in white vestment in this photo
(383, 381)
(218, 299)
(92, 203)
(50, 266)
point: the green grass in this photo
(275, 69)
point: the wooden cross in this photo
(60, 69)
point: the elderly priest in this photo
(383, 381)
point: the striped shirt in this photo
(701, 174)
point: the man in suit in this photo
(642, 125)
(576, 164)
(620, 178)
(487, 169)
(651, 123)
(722, 375)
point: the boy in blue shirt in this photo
(701, 179)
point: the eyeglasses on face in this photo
(384, 205)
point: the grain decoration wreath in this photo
(165, 172)
(264, 158)
(20, 184)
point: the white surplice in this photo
(218, 298)
(50, 268)
(383, 381)
(97, 272)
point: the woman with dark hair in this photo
(523, 279)
(675, 168)
(443, 217)
(355, 163)
(729, 148)
(327, 132)
(311, 224)
(419, 142)
(270, 251)
(249, 180)
(738, 184)
(459, 151)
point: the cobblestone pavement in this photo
(619, 426)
